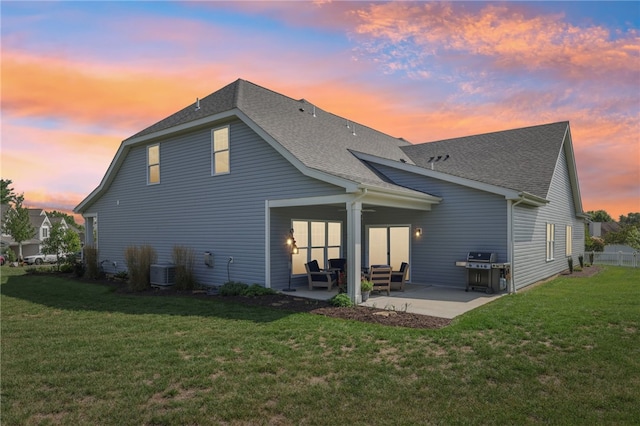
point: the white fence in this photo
(615, 258)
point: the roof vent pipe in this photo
(314, 110)
(354, 130)
(197, 104)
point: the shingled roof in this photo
(318, 139)
(520, 159)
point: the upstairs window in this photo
(220, 151)
(551, 236)
(153, 164)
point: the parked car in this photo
(40, 258)
(2, 259)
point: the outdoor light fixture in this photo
(293, 249)
(291, 242)
(418, 232)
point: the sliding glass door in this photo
(388, 245)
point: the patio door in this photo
(388, 245)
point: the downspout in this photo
(512, 284)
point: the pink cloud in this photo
(503, 37)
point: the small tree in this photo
(600, 216)
(18, 224)
(7, 194)
(630, 219)
(61, 242)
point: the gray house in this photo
(235, 172)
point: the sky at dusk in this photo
(80, 77)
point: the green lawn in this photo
(566, 352)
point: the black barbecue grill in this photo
(484, 273)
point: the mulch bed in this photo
(319, 307)
(357, 313)
(587, 271)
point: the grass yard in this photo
(566, 352)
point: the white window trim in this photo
(154, 164)
(309, 248)
(569, 240)
(213, 151)
(550, 242)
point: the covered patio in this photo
(384, 208)
(443, 302)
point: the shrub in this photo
(66, 268)
(91, 262)
(341, 300)
(366, 285)
(139, 260)
(232, 288)
(11, 256)
(258, 290)
(184, 259)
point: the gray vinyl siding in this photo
(222, 214)
(530, 263)
(466, 220)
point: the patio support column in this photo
(354, 250)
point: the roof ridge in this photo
(476, 135)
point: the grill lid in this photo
(481, 256)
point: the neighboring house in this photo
(600, 229)
(42, 224)
(233, 173)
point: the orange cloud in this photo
(89, 94)
(503, 35)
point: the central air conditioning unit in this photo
(163, 275)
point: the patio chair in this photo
(398, 278)
(318, 277)
(380, 275)
(337, 263)
(339, 266)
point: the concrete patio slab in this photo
(443, 302)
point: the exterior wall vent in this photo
(163, 275)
